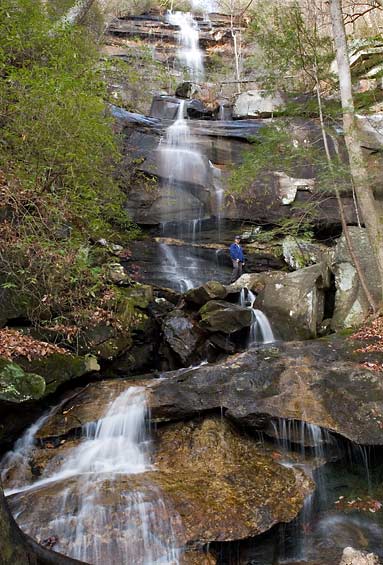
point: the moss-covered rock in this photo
(18, 386)
(58, 368)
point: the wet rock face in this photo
(223, 143)
(216, 484)
(318, 382)
(314, 382)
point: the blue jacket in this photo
(236, 252)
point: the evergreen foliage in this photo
(58, 154)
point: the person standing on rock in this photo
(237, 258)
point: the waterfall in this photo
(97, 522)
(180, 161)
(189, 53)
(260, 330)
(184, 170)
(14, 467)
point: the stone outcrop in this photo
(258, 104)
(265, 199)
(217, 485)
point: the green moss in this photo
(59, 368)
(18, 386)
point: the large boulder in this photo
(351, 304)
(321, 383)
(211, 290)
(257, 104)
(222, 316)
(215, 484)
(295, 302)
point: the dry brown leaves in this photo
(372, 334)
(14, 344)
(362, 504)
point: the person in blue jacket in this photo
(237, 258)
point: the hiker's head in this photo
(237, 238)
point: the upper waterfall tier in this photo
(189, 53)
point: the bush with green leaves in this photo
(58, 153)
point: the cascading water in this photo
(260, 330)
(290, 433)
(183, 169)
(189, 53)
(93, 520)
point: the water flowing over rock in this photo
(320, 382)
(189, 54)
(77, 497)
(209, 483)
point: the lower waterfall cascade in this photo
(116, 447)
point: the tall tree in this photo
(368, 205)
(298, 46)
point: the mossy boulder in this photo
(222, 316)
(16, 385)
(59, 368)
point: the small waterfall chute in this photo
(260, 329)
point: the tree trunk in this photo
(346, 232)
(364, 193)
(77, 13)
(18, 549)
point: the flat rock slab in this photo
(320, 382)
